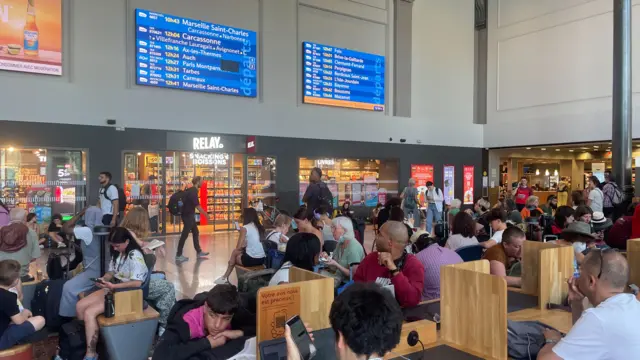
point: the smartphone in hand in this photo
(96, 280)
(301, 337)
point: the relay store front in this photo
(231, 179)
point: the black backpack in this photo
(46, 303)
(325, 199)
(72, 341)
(122, 197)
(176, 201)
(55, 270)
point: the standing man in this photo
(189, 225)
(609, 190)
(109, 202)
(522, 194)
(318, 193)
(434, 209)
(596, 197)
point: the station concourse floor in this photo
(197, 275)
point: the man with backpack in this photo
(612, 196)
(318, 193)
(410, 203)
(435, 200)
(110, 201)
(187, 211)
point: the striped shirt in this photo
(432, 258)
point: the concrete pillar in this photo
(622, 95)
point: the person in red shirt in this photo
(522, 194)
(622, 229)
(390, 261)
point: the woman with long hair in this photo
(307, 222)
(249, 250)
(127, 269)
(162, 293)
(303, 251)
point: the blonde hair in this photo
(137, 221)
(412, 182)
(455, 204)
(282, 220)
(532, 200)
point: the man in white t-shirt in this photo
(498, 220)
(609, 330)
(596, 197)
(109, 202)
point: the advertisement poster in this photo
(467, 176)
(333, 187)
(371, 195)
(382, 196)
(449, 183)
(303, 189)
(356, 194)
(598, 170)
(31, 36)
(422, 174)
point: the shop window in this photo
(362, 182)
(261, 180)
(43, 181)
(143, 174)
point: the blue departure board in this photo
(340, 77)
(180, 53)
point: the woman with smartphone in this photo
(127, 269)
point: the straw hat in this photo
(600, 222)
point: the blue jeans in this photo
(433, 215)
(408, 213)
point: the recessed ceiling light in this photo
(528, 148)
(570, 150)
(557, 149)
(595, 146)
(543, 149)
(584, 148)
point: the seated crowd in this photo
(402, 272)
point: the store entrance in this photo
(152, 177)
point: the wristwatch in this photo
(550, 341)
(395, 271)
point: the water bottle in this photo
(109, 306)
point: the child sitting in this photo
(15, 325)
(210, 321)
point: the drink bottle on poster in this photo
(449, 184)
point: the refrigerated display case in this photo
(151, 178)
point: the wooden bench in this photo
(18, 352)
(129, 334)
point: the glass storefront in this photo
(151, 179)
(43, 181)
(362, 182)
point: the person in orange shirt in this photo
(533, 203)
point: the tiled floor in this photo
(198, 275)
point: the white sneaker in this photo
(41, 246)
(61, 246)
(221, 281)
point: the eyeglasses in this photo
(602, 252)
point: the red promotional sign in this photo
(251, 144)
(467, 176)
(422, 174)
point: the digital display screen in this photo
(181, 53)
(341, 77)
